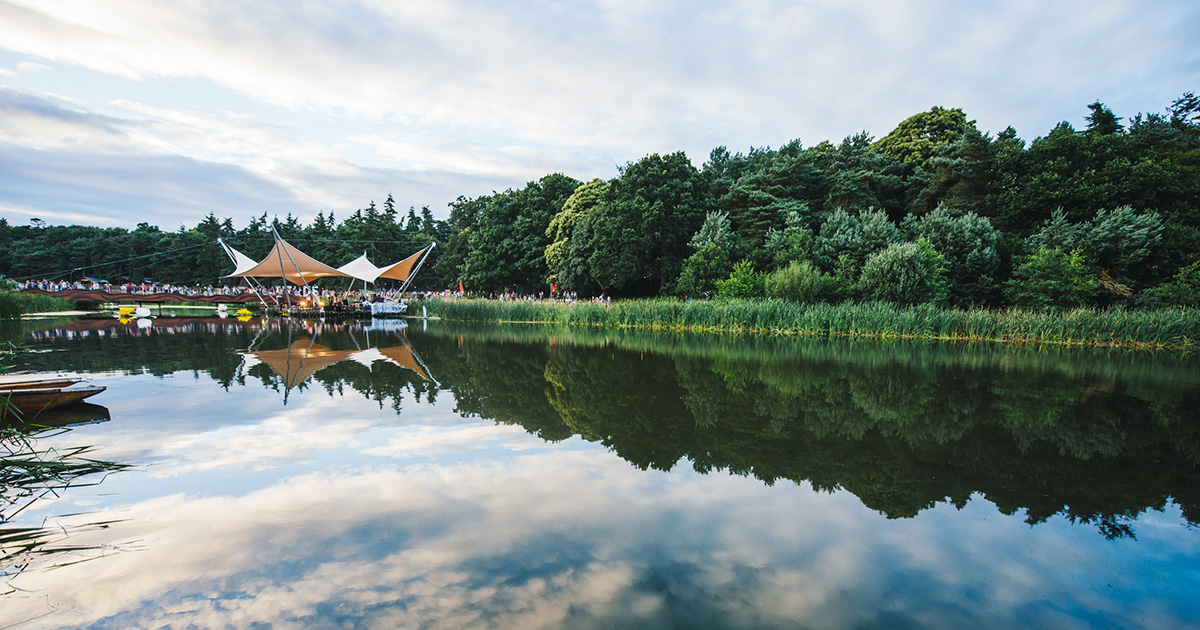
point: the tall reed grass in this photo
(1167, 328)
(13, 304)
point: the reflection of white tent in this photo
(296, 363)
(396, 355)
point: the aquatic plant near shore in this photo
(13, 304)
(27, 474)
(1167, 328)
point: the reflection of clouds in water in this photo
(413, 521)
(431, 440)
(181, 426)
(555, 537)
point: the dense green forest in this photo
(936, 211)
(193, 256)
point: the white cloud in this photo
(441, 99)
(29, 66)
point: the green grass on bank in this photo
(15, 304)
(1168, 328)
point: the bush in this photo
(1052, 278)
(702, 271)
(1181, 290)
(14, 304)
(906, 273)
(968, 243)
(744, 282)
(800, 282)
(10, 308)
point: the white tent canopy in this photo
(285, 261)
(362, 269)
(241, 262)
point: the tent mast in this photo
(279, 254)
(412, 274)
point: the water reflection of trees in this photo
(217, 347)
(1098, 437)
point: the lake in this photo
(288, 474)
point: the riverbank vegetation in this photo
(935, 212)
(1165, 328)
(28, 473)
(14, 304)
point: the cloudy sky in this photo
(116, 112)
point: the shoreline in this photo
(1172, 329)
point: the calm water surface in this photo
(293, 475)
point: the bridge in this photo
(100, 295)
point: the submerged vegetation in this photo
(1166, 328)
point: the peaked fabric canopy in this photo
(362, 269)
(285, 261)
(241, 262)
(401, 270)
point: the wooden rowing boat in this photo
(41, 383)
(32, 396)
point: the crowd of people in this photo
(144, 288)
(152, 288)
(324, 294)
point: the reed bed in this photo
(1168, 328)
(13, 304)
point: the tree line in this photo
(192, 256)
(936, 211)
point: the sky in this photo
(119, 112)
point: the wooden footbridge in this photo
(119, 297)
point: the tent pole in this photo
(417, 268)
(279, 254)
